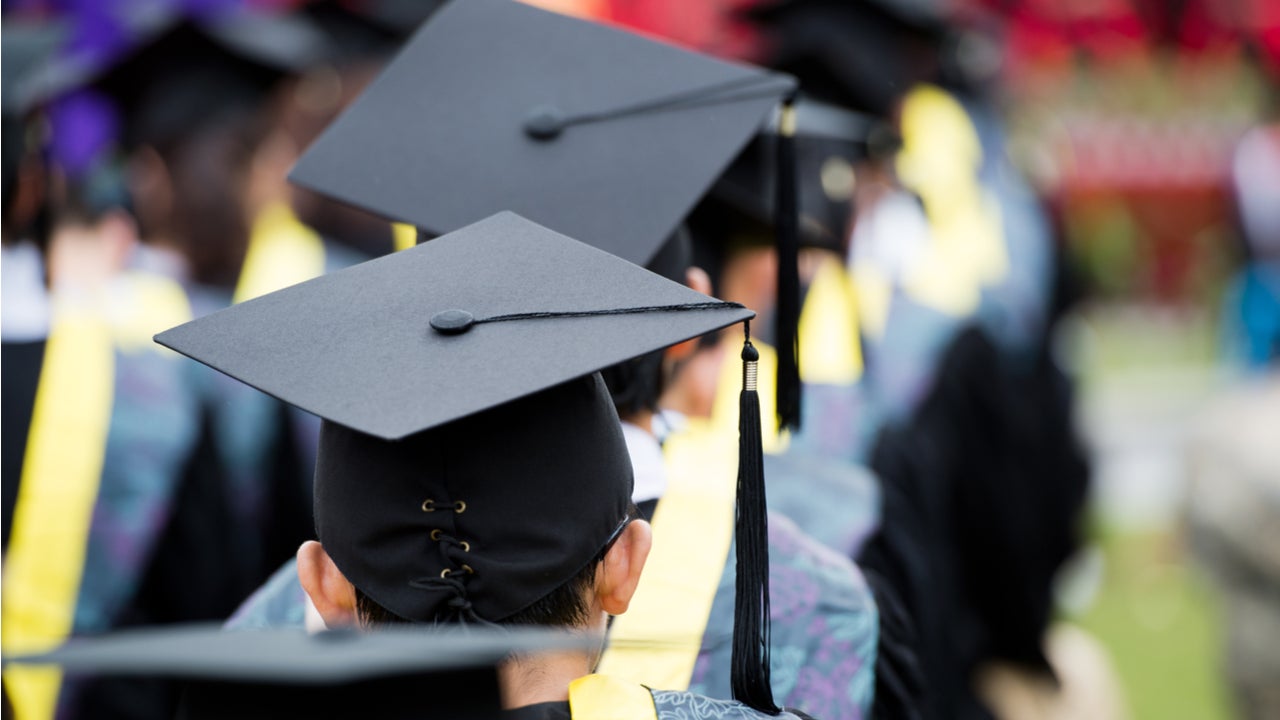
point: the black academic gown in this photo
(983, 491)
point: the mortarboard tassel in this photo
(787, 312)
(750, 671)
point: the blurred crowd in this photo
(999, 164)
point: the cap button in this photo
(452, 322)
(544, 123)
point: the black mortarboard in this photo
(471, 460)
(391, 673)
(862, 54)
(595, 132)
(25, 47)
(351, 33)
(171, 71)
(829, 141)
(444, 136)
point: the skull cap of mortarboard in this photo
(288, 673)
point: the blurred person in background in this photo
(145, 491)
(1251, 309)
(983, 481)
(1233, 510)
(104, 447)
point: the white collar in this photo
(646, 463)
(24, 301)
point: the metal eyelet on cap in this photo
(435, 534)
(466, 546)
(460, 507)
(428, 505)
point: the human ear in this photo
(620, 571)
(332, 594)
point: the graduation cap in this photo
(829, 141)
(595, 132)
(25, 47)
(351, 32)
(471, 460)
(171, 70)
(400, 672)
(862, 54)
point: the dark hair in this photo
(637, 384)
(566, 606)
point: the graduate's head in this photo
(194, 114)
(520, 513)
(471, 464)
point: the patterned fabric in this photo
(678, 705)
(154, 424)
(279, 603)
(839, 421)
(824, 633)
(836, 503)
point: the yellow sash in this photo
(282, 252)
(656, 642)
(600, 697)
(403, 236)
(875, 295)
(62, 468)
(940, 159)
(829, 349)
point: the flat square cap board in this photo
(121, 51)
(592, 131)
(417, 339)
(403, 672)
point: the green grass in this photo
(1159, 619)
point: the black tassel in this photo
(750, 671)
(787, 312)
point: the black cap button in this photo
(544, 123)
(452, 322)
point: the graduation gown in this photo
(156, 509)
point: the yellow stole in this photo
(403, 236)
(830, 352)
(282, 252)
(62, 468)
(600, 697)
(657, 641)
(940, 159)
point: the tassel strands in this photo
(750, 672)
